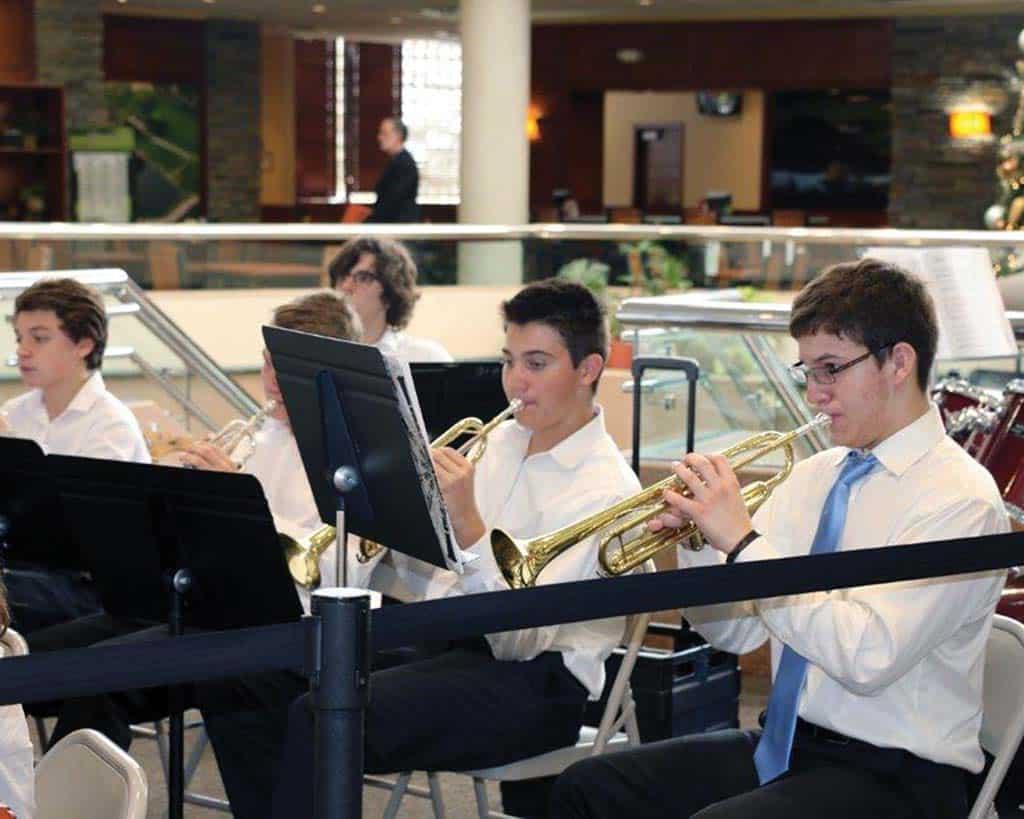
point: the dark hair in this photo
(324, 312)
(394, 269)
(873, 303)
(79, 309)
(400, 126)
(568, 307)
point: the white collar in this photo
(906, 446)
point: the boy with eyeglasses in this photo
(379, 278)
(877, 696)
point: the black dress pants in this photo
(461, 709)
(111, 714)
(712, 776)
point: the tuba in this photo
(303, 555)
(228, 438)
(617, 555)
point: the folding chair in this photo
(1002, 722)
(617, 730)
(87, 776)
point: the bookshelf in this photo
(33, 153)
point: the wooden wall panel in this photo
(575, 63)
(277, 116)
(314, 118)
(17, 41)
(150, 49)
(379, 89)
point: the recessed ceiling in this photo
(387, 19)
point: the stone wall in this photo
(233, 149)
(69, 52)
(936, 63)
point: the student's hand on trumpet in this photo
(455, 475)
(714, 501)
(204, 455)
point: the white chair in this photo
(617, 730)
(1002, 724)
(87, 776)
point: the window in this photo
(432, 110)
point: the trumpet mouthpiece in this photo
(514, 406)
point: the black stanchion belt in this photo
(211, 655)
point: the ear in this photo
(590, 369)
(903, 358)
(84, 347)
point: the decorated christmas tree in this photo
(1008, 212)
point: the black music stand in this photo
(188, 548)
(355, 445)
(32, 530)
(449, 391)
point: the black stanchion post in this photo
(339, 690)
(180, 585)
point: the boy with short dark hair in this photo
(877, 697)
(60, 327)
(550, 466)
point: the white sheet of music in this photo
(970, 310)
(409, 406)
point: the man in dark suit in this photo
(398, 185)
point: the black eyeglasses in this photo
(362, 276)
(826, 373)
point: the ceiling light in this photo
(319, 8)
(629, 55)
(396, 20)
(645, 2)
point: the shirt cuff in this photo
(483, 574)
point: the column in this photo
(495, 173)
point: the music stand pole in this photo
(340, 690)
(181, 583)
(345, 480)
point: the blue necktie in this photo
(771, 756)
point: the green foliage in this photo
(654, 270)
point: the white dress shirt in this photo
(277, 465)
(410, 348)
(527, 497)
(898, 665)
(17, 777)
(94, 425)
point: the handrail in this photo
(97, 232)
(714, 312)
(135, 301)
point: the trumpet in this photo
(303, 555)
(618, 556)
(228, 438)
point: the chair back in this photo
(1002, 724)
(13, 644)
(620, 710)
(87, 776)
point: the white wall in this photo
(720, 153)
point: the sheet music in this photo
(970, 310)
(409, 406)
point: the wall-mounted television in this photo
(831, 149)
(719, 103)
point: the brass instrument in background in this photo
(521, 570)
(303, 555)
(228, 439)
